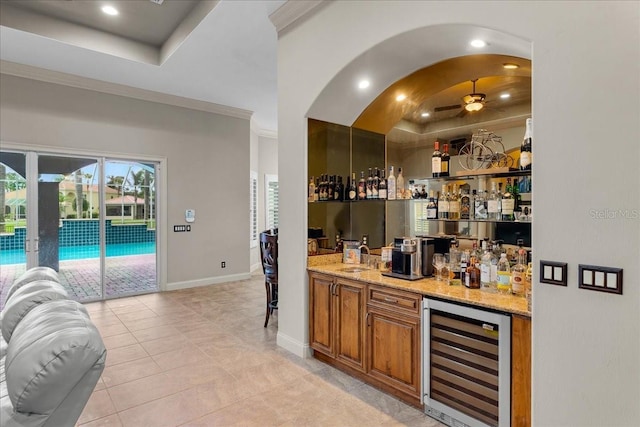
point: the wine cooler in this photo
(466, 365)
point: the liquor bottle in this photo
(400, 185)
(338, 192)
(493, 211)
(465, 257)
(316, 194)
(479, 209)
(508, 203)
(454, 259)
(312, 189)
(444, 164)
(443, 204)
(454, 204)
(375, 187)
(515, 190)
(432, 207)
(391, 185)
(436, 160)
(370, 185)
(466, 206)
(321, 189)
(331, 187)
(518, 274)
(353, 191)
(423, 192)
(487, 266)
(362, 187)
(504, 275)
(472, 278)
(499, 195)
(526, 156)
(382, 187)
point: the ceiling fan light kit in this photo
(474, 106)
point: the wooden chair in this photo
(269, 255)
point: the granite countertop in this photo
(431, 287)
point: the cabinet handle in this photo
(393, 300)
(367, 319)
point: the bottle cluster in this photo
(376, 186)
(488, 267)
(456, 203)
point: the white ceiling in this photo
(229, 58)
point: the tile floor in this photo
(201, 357)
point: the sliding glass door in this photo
(89, 218)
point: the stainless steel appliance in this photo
(406, 259)
(427, 249)
(466, 365)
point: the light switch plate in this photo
(553, 273)
(602, 279)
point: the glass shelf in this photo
(515, 172)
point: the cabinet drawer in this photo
(395, 300)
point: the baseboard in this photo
(207, 281)
(294, 346)
(255, 267)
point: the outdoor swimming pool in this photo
(18, 256)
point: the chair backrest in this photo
(269, 254)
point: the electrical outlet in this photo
(223, 264)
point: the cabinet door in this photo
(394, 350)
(349, 321)
(321, 313)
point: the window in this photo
(271, 201)
(253, 209)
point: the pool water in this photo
(17, 256)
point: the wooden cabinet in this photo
(336, 324)
(520, 371)
(369, 331)
(393, 344)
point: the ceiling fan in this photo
(472, 102)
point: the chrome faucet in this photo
(368, 258)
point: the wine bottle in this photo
(353, 192)
(375, 186)
(508, 203)
(391, 185)
(436, 160)
(338, 192)
(454, 204)
(432, 207)
(362, 187)
(443, 204)
(331, 187)
(316, 194)
(444, 162)
(400, 185)
(382, 187)
(526, 156)
(312, 189)
(369, 193)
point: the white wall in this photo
(264, 160)
(586, 92)
(207, 161)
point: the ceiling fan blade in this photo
(462, 113)
(447, 108)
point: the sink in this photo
(353, 269)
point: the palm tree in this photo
(79, 196)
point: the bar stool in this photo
(269, 254)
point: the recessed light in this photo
(425, 114)
(363, 84)
(401, 97)
(505, 96)
(510, 66)
(110, 10)
(478, 43)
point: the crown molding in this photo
(294, 12)
(49, 76)
(265, 133)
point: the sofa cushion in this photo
(24, 299)
(54, 359)
(32, 274)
